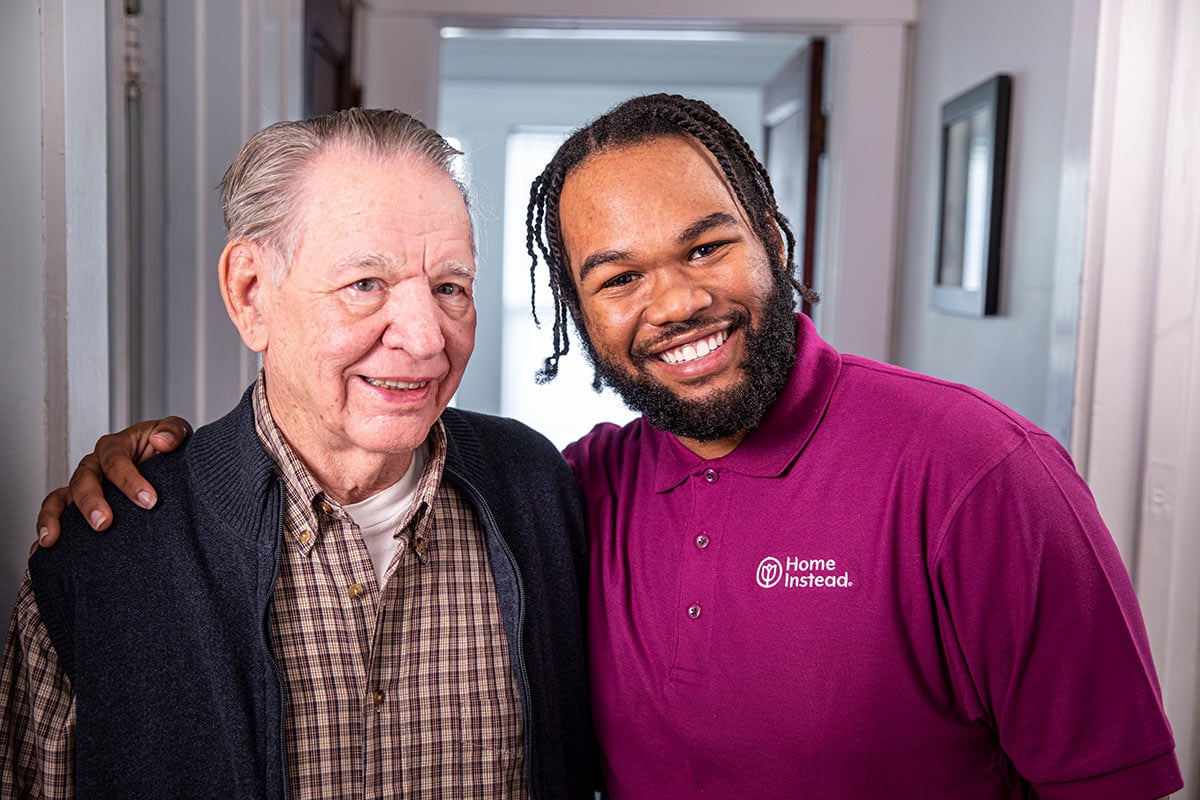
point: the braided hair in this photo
(635, 121)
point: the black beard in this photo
(770, 354)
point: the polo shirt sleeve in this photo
(1043, 634)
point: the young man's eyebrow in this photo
(715, 220)
(597, 259)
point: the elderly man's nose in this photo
(414, 324)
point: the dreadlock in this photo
(635, 121)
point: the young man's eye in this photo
(619, 280)
(706, 250)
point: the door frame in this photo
(867, 61)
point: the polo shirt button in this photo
(702, 541)
(355, 590)
(694, 612)
(710, 475)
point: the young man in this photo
(348, 590)
(811, 574)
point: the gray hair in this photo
(260, 193)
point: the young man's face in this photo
(683, 314)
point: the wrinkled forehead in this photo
(345, 167)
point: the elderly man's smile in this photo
(396, 385)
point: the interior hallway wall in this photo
(22, 346)
(54, 240)
(958, 44)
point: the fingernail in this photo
(97, 519)
(42, 534)
(145, 499)
(170, 437)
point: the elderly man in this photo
(812, 575)
(346, 590)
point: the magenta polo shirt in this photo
(895, 587)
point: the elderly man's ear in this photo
(245, 278)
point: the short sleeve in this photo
(1043, 633)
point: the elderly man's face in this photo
(371, 328)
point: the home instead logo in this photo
(802, 573)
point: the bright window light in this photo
(567, 407)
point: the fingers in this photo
(85, 491)
(113, 459)
(167, 435)
(47, 519)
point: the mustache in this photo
(643, 351)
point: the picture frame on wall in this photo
(975, 127)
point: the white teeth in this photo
(394, 384)
(693, 350)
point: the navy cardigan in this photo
(161, 623)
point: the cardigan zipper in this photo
(275, 663)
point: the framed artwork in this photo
(971, 212)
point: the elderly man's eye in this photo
(450, 289)
(366, 285)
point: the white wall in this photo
(1138, 398)
(232, 67)
(53, 243)
(958, 44)
(22, 347)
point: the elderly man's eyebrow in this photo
(460, 268)
(367, 259)
(715, 220)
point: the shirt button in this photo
(710, 475)
(325, 507)
(694, 612)
(355, 590)
(305, 536)
(379, 697)
(702, 541)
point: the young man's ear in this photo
(245, 279)
(777, 241)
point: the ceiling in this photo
(612, 57)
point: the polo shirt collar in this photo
(778, 441)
